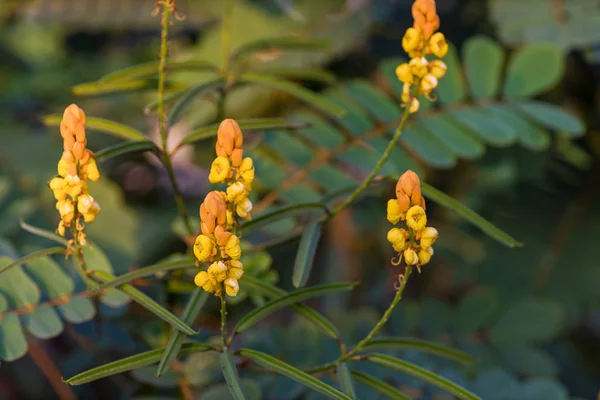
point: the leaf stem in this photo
(386, 154)
(226, 26)
(162, 120)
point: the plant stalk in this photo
(223, 318)
(162, 120)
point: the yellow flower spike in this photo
(404, 73)
(418, 66)
(244, 208)
(425, 255)
(219, 170)
(437, 68)
(204, 248)
(411, 257)
(394, 213)
(218, 270)
(236, 193)
(414, 105)
(416, 219)
(203, 280)
(428, 237)
(438, 44)
(428, 83)
(412, 40)
(397, 238)
(232, 287)
(235, 270)
(232, 248)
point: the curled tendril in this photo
(397, 261)
(398, 283)
(172, 9)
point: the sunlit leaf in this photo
(280, 43)
(133, 146)
(150, 69)
(297, 91)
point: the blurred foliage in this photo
(495, 140)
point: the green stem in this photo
(223, 318)
(162, 120)
(384, 318)
(226, 26)
(367, 181)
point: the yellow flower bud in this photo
(438, 44)
(87, 206)
(416, 219)
(418, 66)
(428, 83)
(61, 228)
(66, 209)
(404, 73)
(244, 208)
(218, 270)
(57, 185)
(414, 105)
(428, 237)
(63, 167)
(437, 68)
(410, 257)
(412, 39)
(205, 281)
(236, 193)
(397, 238)
(204, 248)
(230, 219)
(246, 172)
(394, 214)
(92, 170)
(219, 170)
(232, 248)
(231, 287)
(236, 270)
(425, 255)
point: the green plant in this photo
(361, 117)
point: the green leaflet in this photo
(306, 253)
(258, 314)
(272, 363)
(419, 345)
(132, 146)
(145, 302)
(423, 374)
(132, 362)
(191, 311)
(231, 375)
(446, 201)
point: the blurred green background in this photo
(529, 315)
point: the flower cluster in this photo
(76, 166)
(419, 75)
(415, 243)
(218, 243)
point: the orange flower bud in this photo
(79, 150)
(80, 132)
(68, 142)
(236, 157)
(67, 155)
(403, 203)
(229, 135)
(74, 112)
(407, 183)
(72, 169)
(222, 235)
